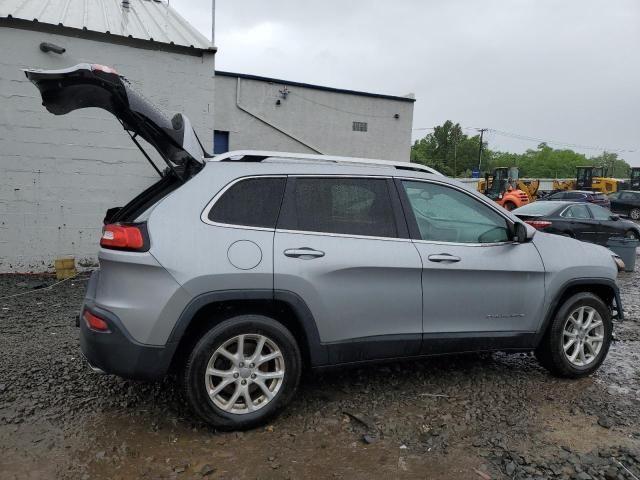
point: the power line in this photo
(518, 136)
(331, 107)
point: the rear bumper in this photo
(117, 353)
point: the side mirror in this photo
(614, 217)
(520, 233)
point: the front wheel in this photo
(634, 214)
(242, 372)
(578, 338)
(632, 234)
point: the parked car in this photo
(583, 221)
(239, 271)
(626, 202)
(579, 196)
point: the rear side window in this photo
(252, 202)
(557, 196)
(575, 195)
(351, 206)
(577, 211)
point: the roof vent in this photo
(125, 4)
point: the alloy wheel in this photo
(635, 214)
(583, 336)
(245, 373)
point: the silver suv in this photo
(239, 271)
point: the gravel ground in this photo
(476, 417)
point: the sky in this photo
(566, 72)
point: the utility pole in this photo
(456, 139)
(455, 158)
(213, 23)
(481, 130)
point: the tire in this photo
(634, 214)
(551, 353)
(243, 413)
(509, 205)
(632, 234)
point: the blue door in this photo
(220, 142)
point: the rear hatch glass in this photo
(89, 85)
(97, 86)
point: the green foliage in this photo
(447, 149)
(450, 151)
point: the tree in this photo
(450, 151)
(447, 149)
(618, 168)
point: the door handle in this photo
(443, 257)
(304, 253)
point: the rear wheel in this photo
(509, 205)
(634, 214)
(242, 372)
(578, 338)
(632, 234)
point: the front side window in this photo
(625, 196)
(252, 202)
(351, 206)
(445, 214)
(600, 213)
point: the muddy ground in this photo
(465, 417)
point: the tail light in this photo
(539, 224)
(94, 322)
(121, 236)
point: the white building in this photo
(58, 175)
(265, 113)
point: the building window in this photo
(220, 142)
(359, 126)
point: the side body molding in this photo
(615, 303)
(317, 352)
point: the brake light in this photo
(124, 237)
(103, 68)
(94, 322)
(539, 224)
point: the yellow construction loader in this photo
(589, 178)
(510, 176)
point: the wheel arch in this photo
(604, 288)
(211, 308)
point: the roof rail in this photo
(259, 156)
